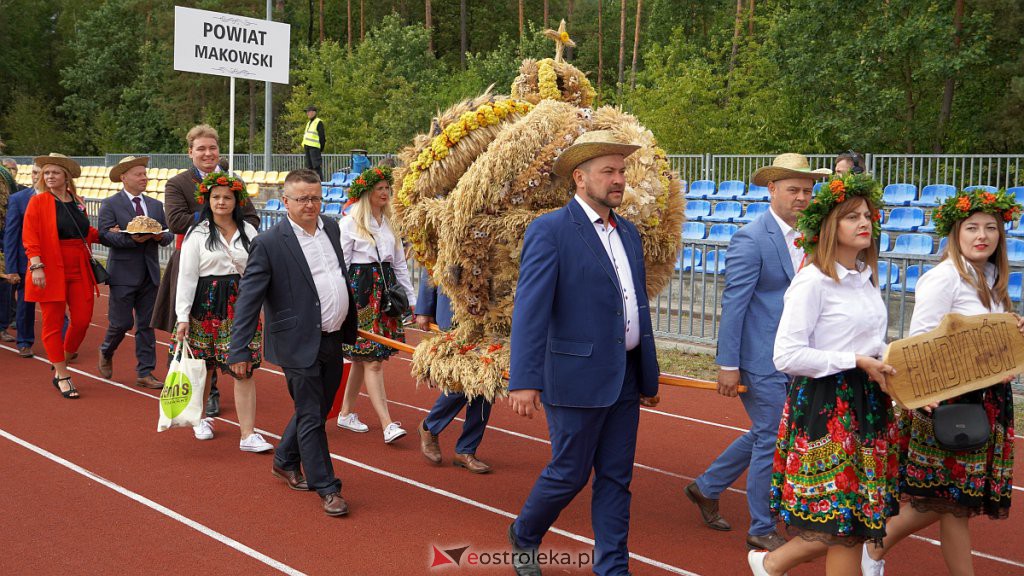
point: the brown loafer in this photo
(769, 542)
(105, 366)
(708, 508)
(148, 381)
(428, 444)
(334, 504)
(292, 477)
(25, 352)
(470, 462)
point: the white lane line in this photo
(201, 528)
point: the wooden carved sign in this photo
(963, 354)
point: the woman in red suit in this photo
(56, 234)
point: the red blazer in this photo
(39, 235)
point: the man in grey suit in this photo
(134, 267)
(761, 261)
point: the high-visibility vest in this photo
(312, 136)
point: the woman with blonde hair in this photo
(941, 485)
(835, 472)
(376, 263)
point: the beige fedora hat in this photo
(127, 163)
(788, 165)
(588, 146)
(72, 167)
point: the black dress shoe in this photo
(213, 404)
(524, 560)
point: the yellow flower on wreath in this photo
(547, 80)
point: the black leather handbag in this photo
(98, 271)
(393, 301)
(961, 427)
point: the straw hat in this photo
(72, 167)
(787, 166)
(590, 145)
(127, 163)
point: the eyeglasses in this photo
(306, 200)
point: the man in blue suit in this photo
(760, 264)
(16, 262)
(134, 267)
(433, 304)
(583, 346)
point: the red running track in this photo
(91, 487)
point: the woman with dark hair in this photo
(836, 465)
(941, 485)
(213, 257)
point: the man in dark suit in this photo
(582, 344)
(296, 272)
(433, 304)
(17, 262)
(134, 267)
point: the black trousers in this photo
(132, 305)
(314, 161)
(304, 441)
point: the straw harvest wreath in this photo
(468, 189)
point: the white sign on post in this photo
(228, 45)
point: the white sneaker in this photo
(351, 422)
(393, 432)
(203, 430)
(756, 560)
(869, 566)
(254, 443)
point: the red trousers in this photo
(79, 302)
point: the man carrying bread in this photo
(134, 227)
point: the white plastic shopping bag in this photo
(181, 400)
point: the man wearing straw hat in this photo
(761, 261)
(583, 346)
(134, 267)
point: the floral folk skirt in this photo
(836, 469)
(960, 483)
(210, 320)
(368, 285)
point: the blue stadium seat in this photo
(904, 219)
(916, 244)
(1017, 230)
(729, 190)
(689, 258)
(756, 193)
(337, 176)
(982, 188)
(725, 212)
(913, 274)
(928, 228)
(899, 194)
(694, 231)
(1017, 191)
(753, 211)
(722, 232)
(887, 274)
(934, 194)
(697, 209)
(333, 208)
(701, 189)
(942, 245)
(1016, 283)
(883, 242)
(1015, 249)
(714, 262)
(274, 204)
(817, 187)
(337, 194)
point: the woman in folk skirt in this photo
(940, 485)
(835, 473)
(376, 262)
(213, 258)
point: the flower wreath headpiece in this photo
(214, 179)
(835, 192)
(367, 180)
(1002, 205)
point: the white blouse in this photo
(941, 291)
(359, 250)
(197, 260)
(825, 325)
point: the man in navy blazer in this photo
(16, 262)
(760, 264)
(433, 304)
(134, 267)
(583, 346)
(296, 273)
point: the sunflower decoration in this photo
(1002, 205)
(214, 179)
(367, 180)
(835, 192)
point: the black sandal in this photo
(71, 393)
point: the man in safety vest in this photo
(313, 140)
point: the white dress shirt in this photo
(612, 242)
(796, 255)
(327, 275)
(359, 250)
(142, 201)
(825, 325)
(197, 261)
(941, 291)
